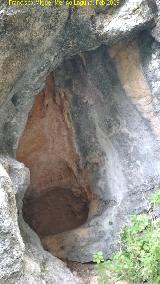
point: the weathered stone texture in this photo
(107, 67)
(58, 196)
(11, 244)
(117, 132)
(22, 258)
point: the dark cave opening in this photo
(57, 211)
(57, 199)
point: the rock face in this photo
(22, 259)
(58, 196)
(91, 136)
(116, 126)
(11, 244)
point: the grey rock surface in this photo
(22, 258)
(108, 65)
(156, 32)
(117, 141)
(34, 43)
(11, 244)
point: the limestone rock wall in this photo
(22, 258)
(47, 145)
(11, 244)
(117, 132)
(107, 65)
(58, 196)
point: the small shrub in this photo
(100, 266)
(138, 260)
(98, 257)
(155, 199)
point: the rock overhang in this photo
(116, 132)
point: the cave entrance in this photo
(57, 199)
(56, 211)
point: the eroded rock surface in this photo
(22, 258)
(116, 126)
(103, 118)
(58, 196)
(11, 244)
(29, 53)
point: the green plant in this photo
(155, 198)
(98, 257)
(100, 266)
(138, 260)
